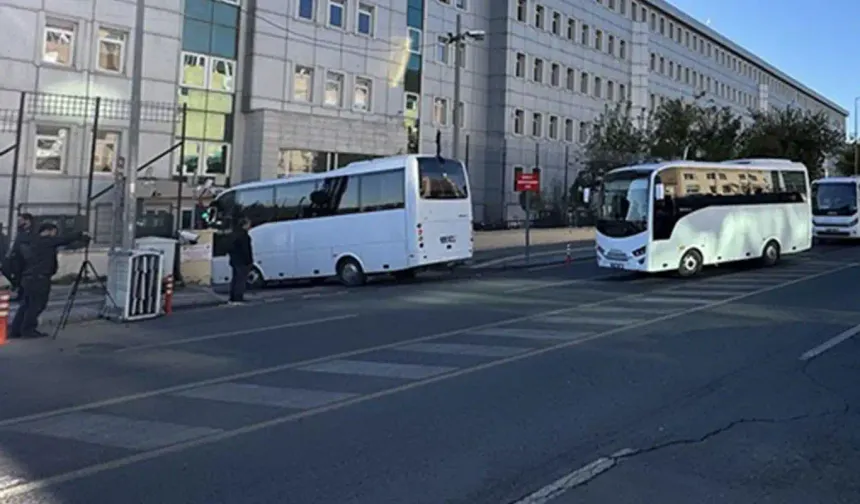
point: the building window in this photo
(610, 45)
(583, 132)
(622, 92)
(364, 23)
(537, 125)
(59, 41)
(598, 40)
(412, 105)
(107, 146)
(598, 87)
(519, 121)
(461, 4)
(570, 80)
(443, 51)
(622, 49)
(583, 35)
(112, 50)
(303, 84)
(336, 13)
(221, 75)
(415, 41)
(568, 130)
(306, 9)
(362, 94)
(537, 71)
(610, 90)
(333, 89)
(522, 10)
(440, 111)
(194, 70)
(553, 128)
(51, 143)
(539, 16)
(653, 62)
(556, 23)
(583, 82)
(571, 29)
(555, 75)
(521, 65)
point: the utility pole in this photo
(856, 140)
(129, 217)
(458, 40)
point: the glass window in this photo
(199, 9)
(111, 50)
(336, 9)
(194, 70)
(224, 41)
(415, 41)
(333, 89)
(362, 99)
(306, 9)
(59, 43)
(196, 36)
(256, 204)
(303, 79)
(51, 143)
(221, 75)
(225, 15)
(442, 179)
(344, 194)
(107, 145)
(217, 159)
(292, 199)
(365, 19)
(794, 182)
(440, 111)
(382, 191)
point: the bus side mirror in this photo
(659, 192)
(586, 195)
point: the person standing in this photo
(39, 259)
(12, 262)
(241, 260)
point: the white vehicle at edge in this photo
(683, 215)
(834, 208)
(395, 215)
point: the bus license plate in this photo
(617, 265)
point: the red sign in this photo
(527, 182)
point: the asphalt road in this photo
(563, 385)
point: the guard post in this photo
(526, 184)
(134, 284)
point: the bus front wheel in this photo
(691, 264)
(770, 254)
(350, 273)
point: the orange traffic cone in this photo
(4, 316)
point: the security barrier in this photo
(4, 315)
(134, 285)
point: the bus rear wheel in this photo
(350, 273)
(691, 264)
(770, 254)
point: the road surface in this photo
(563, 385)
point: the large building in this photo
(275, 87)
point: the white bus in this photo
(682, 215)
(834, 208)
(395, 215)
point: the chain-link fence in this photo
(62, 157)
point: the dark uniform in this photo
(13, 262)
(241, 260)
(39, 254)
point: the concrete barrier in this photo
(70, 260)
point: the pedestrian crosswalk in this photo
(288, 392)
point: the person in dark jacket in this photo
(241, 260)
(39, 255)
(12, 261)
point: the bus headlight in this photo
(639, 252)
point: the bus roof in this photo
(356, 168)
(735, 164)
(837, 180)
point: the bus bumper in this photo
(631, 264)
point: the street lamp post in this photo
(856, 143)
(458, 40)
(129, 214)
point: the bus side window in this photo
(291, 199)
(256, 204)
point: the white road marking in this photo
(561, 283)
(712, 292)
(829, 344)
(671, 300)
(380, 369)
(84, 472)
(240, 332)
(114, 431)
(464, 349)
(533, 334)
(625, 310)
(260, 395)
(572, 480)
(573, 320)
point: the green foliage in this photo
(844, 162)
(617, 140)
(678, 128)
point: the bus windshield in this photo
(624, 204)
(442, 179)
(836, 199)
(219, 215)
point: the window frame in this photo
(231, 64)
(553, 124)
(366, 83)
(365, 9)
(117, 147)
(64, 152)
(343, 13)
(313, 7)
(446, 109)
(418, 49)
(537, 125)
(122, 50)
(310, 87)
(519, 118)
(341, 81)
(57, 27)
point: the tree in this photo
(844, 159)
(674, 129)
(715, 136)
(794, 134)
(617, 140)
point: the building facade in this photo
(277, 87)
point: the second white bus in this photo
(681, 216)
(834, 208)
(395, 215)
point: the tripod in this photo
(86, 267)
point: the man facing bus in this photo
(241, 260)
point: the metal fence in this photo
(64, 154)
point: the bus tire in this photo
(770, 254)
(350, 273)
(255, 279)
(691, 264)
